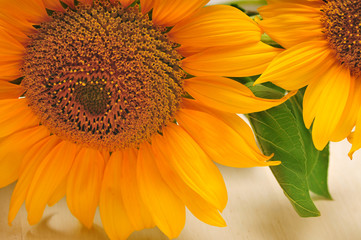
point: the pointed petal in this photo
(229, 61)
(217, 25)
(30, 163)
(83, 186)
(168, 13)
(15, 116)
(222, 144)
(137, 212)
(192, 165)
(298, 66)
(13, 149)
(9, 90)
(58, 194)
(325, 101)
(113, 214)
(349, 115)
(355, 137)
(50, 173)
(10, 70)
(227, 95)
(166, 208)
(200, 208)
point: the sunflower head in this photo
(342, 25)
(103, 75)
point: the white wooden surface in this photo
(257, 209)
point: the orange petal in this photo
(168, 13)
(227, 95)
(56, 5)
(202, 209)
(58, 194)
(10, 70)
(222, 144)
(166, 208)
(298, 66)
(13, 150)
(33, 11)
(112, 211)
(30, 163)
(50, 173)
(193, 166)
(15, 116)
(126, 3)
(325, 101)
(83, 186)
(137, 212)
(231, 61)
(218, 25)
(9, 90)
(146, 5)
(11, 50)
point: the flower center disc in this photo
(342, 24)
(103, 76)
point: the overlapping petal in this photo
(216, 26)
(228, 95)
(168, 13)
(230, 61)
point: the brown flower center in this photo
(103, 76)
(342, 24)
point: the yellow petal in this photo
(83, 186)
(137, 212)
(200, 208)
(58, 194)
(355, 137)
(217, 25)
(13, 149)
(30, 163)
(227, 95)
(291, 24)
(9, 90)
(192, 165)
(167, 210)
(325, 101)
(222, 144)
(15, 116)
(114, 217)
(168, 13)
(298, 66)
(50, 173)
(349, 115)
(240, 61)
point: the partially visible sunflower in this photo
(106, 114)
(323, 52)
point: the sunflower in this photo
(122, 105)
(322, 44)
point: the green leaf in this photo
(281, 131)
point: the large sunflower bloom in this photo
(323, 52)
(103, 112)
